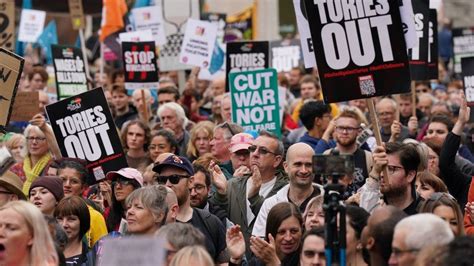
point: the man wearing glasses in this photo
(390, 127)
(242, 196)
(177, 173)
(416, 232)
(398, 189)
(347, 128)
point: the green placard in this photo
(255, 101)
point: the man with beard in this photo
(176, 172)
(347, 128)
(300, 190)
(398, 189)
(199, 192)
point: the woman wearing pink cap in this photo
(124, 182)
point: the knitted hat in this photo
(52, 183)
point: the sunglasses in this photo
(174, 179)
(261, 150)
(226, 125)
(122, 182)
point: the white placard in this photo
(305, 36)
(408, 21)
(198, 43)
(136, 36)
(205, 74)
(31, 25)
(144, 251)
(150, 17)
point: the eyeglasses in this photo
(261, 150)
(198, 188)
(174, 179)
(393, 168)
(122, 182)
(37, 139)
(227, 125)
(347, 129)
(397, 252)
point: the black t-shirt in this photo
(302, 207)
(214, 232)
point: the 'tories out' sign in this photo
(84, 128)
(255, 100)
(360, 48)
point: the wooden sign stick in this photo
(145, 107)
(376, 128)
(413, 98)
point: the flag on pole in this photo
(112, 17)
(47, 38)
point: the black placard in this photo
(433, 45)
(467, 65)
(419, 53)
(139, 62)
(286, 54)
(463, 46)
(244, 56)
(359, 54)
(69, 71)
(84, 128)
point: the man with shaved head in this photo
(300, 190)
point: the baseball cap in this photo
(12, 183)
(130, 173)
(241, 141)
(177, 162)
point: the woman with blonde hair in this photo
(24, 236)
(16, 144)
(201, 136)
(192, 255)
(41, 148)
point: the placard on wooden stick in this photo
(11, 66)
(26, 106)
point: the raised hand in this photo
(235, 242)
(218, 178)
(255, 182)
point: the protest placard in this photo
(134, 250)
(69, 71)
(77, 14)
(433, 45)
(175, 16)
(245, 56)
(137, 36)
(220, 20)
(463, 46)
(305, 34)
(285, 55)
(139, 62)
(217, 67)
(150, 17)
(7, 24)
(26, 106)
(84, 128)
(408, 23)
(255, 100)
(31, 25)
(241, 26)
(467, 64)
(198, 43)
(358, 54)
(419, 53)
(11, 66)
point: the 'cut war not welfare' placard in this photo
(255, 101)
(360, 48)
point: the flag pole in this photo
(101, 62)
(84, 53)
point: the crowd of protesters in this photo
(219, 194)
